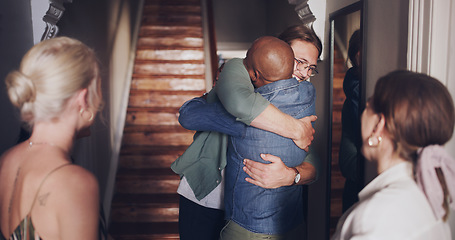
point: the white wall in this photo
(450, 80)
(39, 9)
(431, 48)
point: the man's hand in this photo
(275, 174)
(306, 132)
(272, 175)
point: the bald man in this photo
(269, 59)
(251, 211)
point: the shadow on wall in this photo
(15, 23)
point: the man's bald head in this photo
(269, 58)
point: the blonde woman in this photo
(43, 195)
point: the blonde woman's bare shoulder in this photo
(71, 195)
(73, 179)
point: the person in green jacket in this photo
(201, 166)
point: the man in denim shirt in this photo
(253, 210)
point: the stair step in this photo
(139, 118)
(168, 83)
(143, 211)
(146, 161)
(156, 129)
(336, 207)
(337, 181)
(151, 173)
(152, 151)
(169, 68)
(146, 198)
(170, 55)
(171, 31)
(185, 8)
(148, 181)
(171, 42)
(146, 208)
(172, 2)
(172, 20)
(146, 185)
(144, 231)
(157, 139)
(159, 99)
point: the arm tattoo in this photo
(43, 199)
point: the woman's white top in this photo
(392, 207)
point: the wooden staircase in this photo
(169, 69)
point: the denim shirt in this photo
(268, 211)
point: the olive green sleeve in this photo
(236, 92)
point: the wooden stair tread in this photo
(168, 31)
(181, 55)
(152, 150)
(154, 76)
(148, 173)
(172, 63)
(171, 42)
(153, 109)
(157, 139)
(177, 20)
(172, 2)
(147, 161)
(168, 68)
(146, 198)
(173, 83)
(171, 9)
(148, 229)
(157, 128)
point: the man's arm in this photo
(236, 93)
(196, 114)
(299, 130)
(276, 174)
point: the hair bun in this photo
(21, 91)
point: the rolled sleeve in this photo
(198, 115)
(236, 92)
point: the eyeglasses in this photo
(312, 70)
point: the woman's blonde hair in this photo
(51, 73)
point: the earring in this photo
(374, 141)
(91, 114)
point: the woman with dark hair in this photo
(406, 122)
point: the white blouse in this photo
(391, 206)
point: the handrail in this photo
(212, 39)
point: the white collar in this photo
(400, 172)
